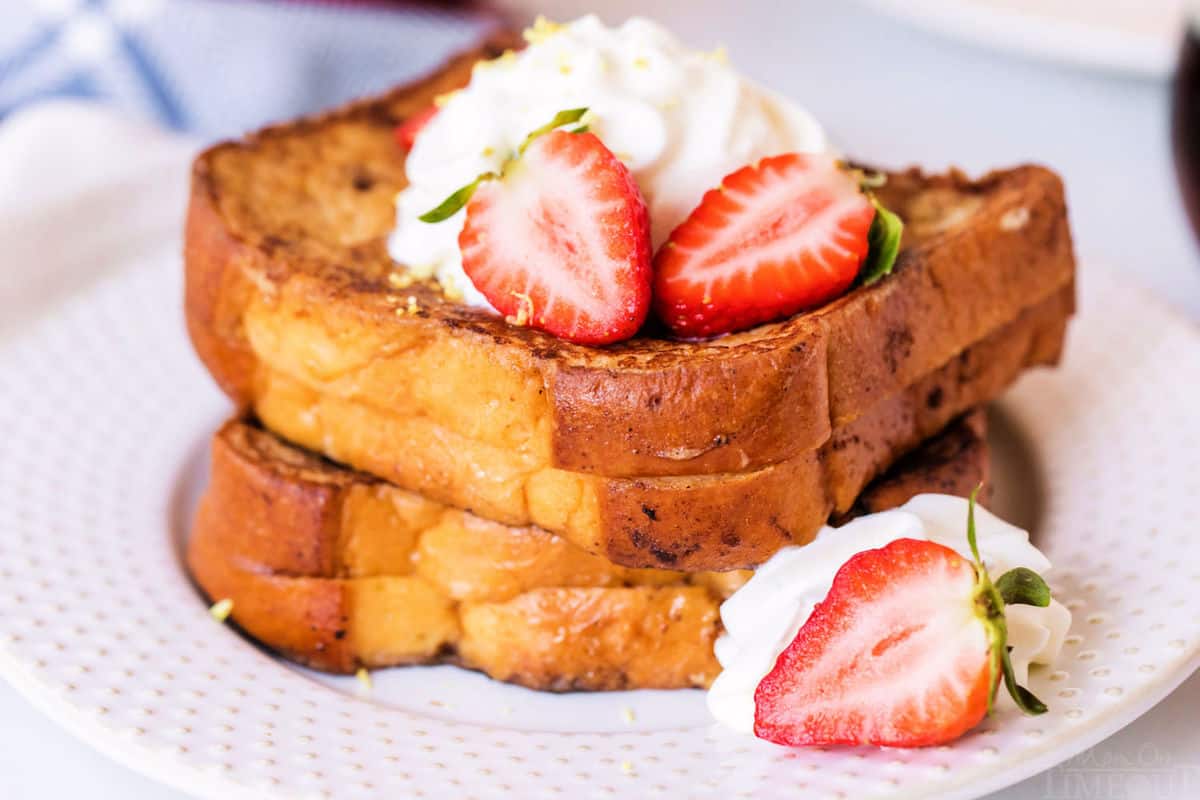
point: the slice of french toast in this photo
(701, 522)
(695, 455)
(337, 569)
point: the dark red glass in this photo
(1185, 124)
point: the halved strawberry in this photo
(561, 240)
(897, 655)
(406, 131)
(776, 237)
(906, 650)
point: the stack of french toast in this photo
(409, 480)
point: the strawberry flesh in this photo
(776, 237)
(406, 131)
(897, 654)
(561, 241)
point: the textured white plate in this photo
(1134, 36)
(105, 416)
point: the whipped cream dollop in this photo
(763, 617)
(680, 119)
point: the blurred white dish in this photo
(1131, 36)
(1137, 37)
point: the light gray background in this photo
(893, 96)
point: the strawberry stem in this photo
(972, 541)
(991, 605)
(991, 601)
(871, 179)
(560, 119)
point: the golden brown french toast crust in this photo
(704, 522)
(336, 569)
(287, 228)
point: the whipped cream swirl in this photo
(763, 617)
(680, 119)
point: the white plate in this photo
(106, 415)
(1134, 36)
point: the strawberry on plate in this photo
(561, 240)
(776, 237)
(906, 650)
(406, 131)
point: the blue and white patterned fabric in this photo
(219, 67)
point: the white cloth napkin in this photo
(81, 188)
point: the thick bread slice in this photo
(953, 462)
(338, 569)
(288, 275)
(703, 522)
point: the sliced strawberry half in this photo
(897, 655)
(561, 241)
(906, 650)
(406, 131)
(776, 237)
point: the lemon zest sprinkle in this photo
(445, 97)
(541, 30)
(221, 609)
(401, 280)
(524, 313)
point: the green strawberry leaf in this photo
(883, 244)
(459, 198)
(1026, 700)
(560, 119)
(1023, 586)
